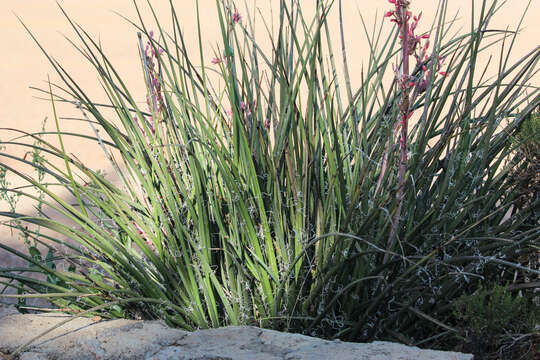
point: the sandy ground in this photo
(23, 65)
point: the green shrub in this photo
(495, 321)
(272, 201)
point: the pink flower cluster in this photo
(245, 107)
(236, 17)
(247, 110)
(151, 124)
(154, 100)
(401, 16)
(155, 86)
(145, 237)
(218, 60)
(150, 48)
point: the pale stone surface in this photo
(84, 338)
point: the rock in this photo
(83, 338)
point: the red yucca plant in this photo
(280, 196)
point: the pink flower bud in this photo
(236, 18)
(139, 230)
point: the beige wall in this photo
(22, 64)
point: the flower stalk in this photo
(401, 17)
(410, 46)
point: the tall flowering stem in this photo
(154, 99)
(401, 16)
(409, 89)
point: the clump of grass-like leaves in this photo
(271, 201)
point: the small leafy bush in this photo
(283, 197)
(497, 323)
